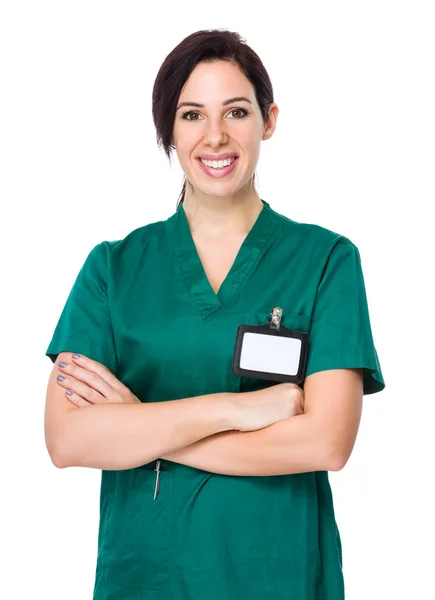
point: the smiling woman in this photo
(218, 73)
(214, 485)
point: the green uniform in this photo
(144, 307)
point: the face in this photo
(220, 125)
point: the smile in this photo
(213, 169)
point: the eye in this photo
(192, 112)
(240, 109)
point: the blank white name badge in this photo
(271, 351)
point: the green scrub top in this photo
(144, 307)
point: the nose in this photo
(215, 133)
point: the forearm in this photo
(294, 445)
(121, 436)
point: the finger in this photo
(75, 399)
(99, 369)
(80, 389)
(91, 379)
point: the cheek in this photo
(185, 156)
(184, 131)
(251, 144)
(248, 137)
(185, 143)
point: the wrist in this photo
(226, 411)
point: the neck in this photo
(216, 215)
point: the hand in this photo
(91, 383)
(264, 407)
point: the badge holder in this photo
(271, 351)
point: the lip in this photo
(218, 174)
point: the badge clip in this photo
(275, 318)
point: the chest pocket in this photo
(295, 322)
(135, 551)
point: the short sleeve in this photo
(340, 333)
(84, 325)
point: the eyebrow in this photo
(224, 103)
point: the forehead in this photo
(214, 82)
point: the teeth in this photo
(217, 164)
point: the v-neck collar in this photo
(192, 270)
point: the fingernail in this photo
(62, 363)
(76, 355)
(69, 392)
(60, 377)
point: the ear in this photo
(270, 125)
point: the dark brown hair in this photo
(208, 45)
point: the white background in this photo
(353, 151)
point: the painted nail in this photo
(76, 355)
(69, 392)
(62, 363)
(60, 377)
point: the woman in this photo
(214, 485)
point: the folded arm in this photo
(321, 439)
(117, 436)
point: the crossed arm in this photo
(321, 439)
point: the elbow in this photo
(338, 450)
(58, 455)
(337, 462)
(60, 460)
(61, 442)
(57, 459)
(337, 459)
